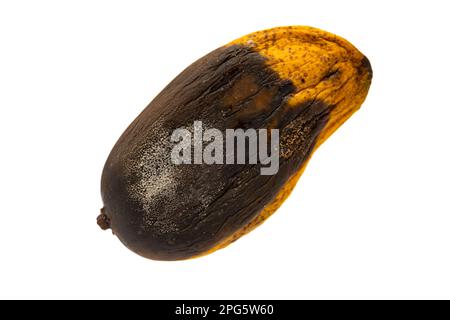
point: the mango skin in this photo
(301, 80)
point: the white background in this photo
(370, 217)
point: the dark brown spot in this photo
(229, 88)
(366, 67)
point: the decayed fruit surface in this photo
(303, 81)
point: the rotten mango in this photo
(302, 81)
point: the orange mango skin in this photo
(301, 80)
(303, 55)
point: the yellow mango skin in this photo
(306, 56)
